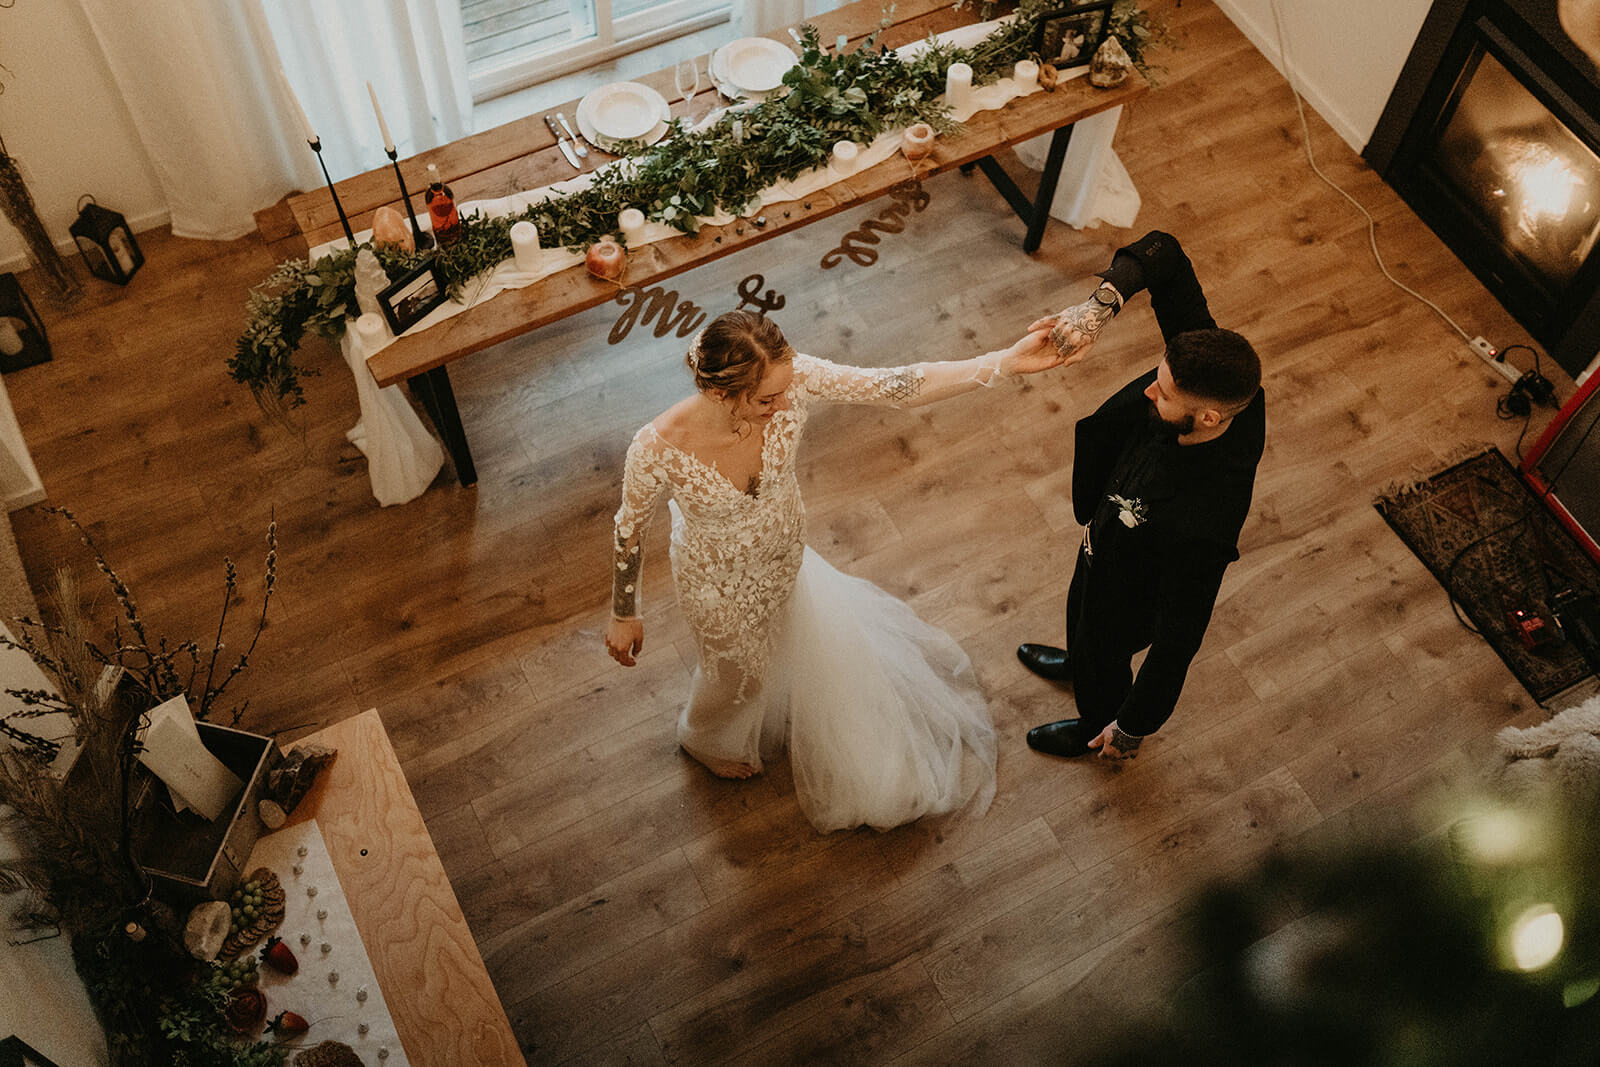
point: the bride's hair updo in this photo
(733, 353)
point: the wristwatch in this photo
(1106, 295)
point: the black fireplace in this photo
(1492, 135)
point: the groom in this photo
(1161, 481)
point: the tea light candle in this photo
(631, 223)
(1026, 73)
(525, 246)
(606, 260)
(10, 339)
(917, 141)
(845, 155)
(958, 86)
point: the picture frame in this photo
(1069, 36)
(409, 298)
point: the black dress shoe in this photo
(1065, 738)
(1046, 661)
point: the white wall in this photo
(1344, 55)
(65, 125)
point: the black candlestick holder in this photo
(422, 238)
(316, 146)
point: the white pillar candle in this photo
(525, 246)
(630, 222)
(371, 331)
(845, 154)
(305, 121)
(958, 86)
(388, 142)
(10, 339)
(1026, 74)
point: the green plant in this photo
(1141, 33)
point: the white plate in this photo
(592, 129)
(599, 140)
(753, 64)
(623, 111)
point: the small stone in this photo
(362, 1028)
(272, 813)
(383, 1052)
(761, 220)
(322, 913)
(305, 939)
(301, 851)
(207, 929)
(361, 994)
(738, 229)
(326, 948)
(388, 228)
(718, 241)
(311, 890)
(333, 977)
(808, 205)
(1111, 65)
(299, 870)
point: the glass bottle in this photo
(442, 209)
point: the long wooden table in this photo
(522, 155)
(444, 1007)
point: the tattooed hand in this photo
(1114, 744)
(1074, 330)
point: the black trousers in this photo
(1105, 630)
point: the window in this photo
(515, 43)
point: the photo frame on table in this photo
(1069, 36)
(409, 298)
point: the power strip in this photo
(1490, 355)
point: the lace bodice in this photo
(735, 554)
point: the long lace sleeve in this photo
(899, 387)
(643, 485)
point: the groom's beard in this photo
(1169, 427)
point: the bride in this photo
(880, 712)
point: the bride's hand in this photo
(624, 639)
(1031, 354)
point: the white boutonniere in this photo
(1131, 512)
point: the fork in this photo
(577, 142)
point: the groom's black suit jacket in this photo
(1156, 583)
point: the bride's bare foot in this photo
(724, 768)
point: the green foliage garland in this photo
(852, 96)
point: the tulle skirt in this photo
(880, 712)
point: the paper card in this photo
(176, 756)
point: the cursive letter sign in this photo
(749, 293)
(657, 303)
(908, 197)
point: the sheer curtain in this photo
(200, 83)
(412, 51)
(757, 18)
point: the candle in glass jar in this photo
(1026, 74)
(525, 246)
(957, 86)
(917, 141)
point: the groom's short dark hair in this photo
(1216, 365)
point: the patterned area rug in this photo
(1494, 548)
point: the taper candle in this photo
(388, 142)
(305, 121)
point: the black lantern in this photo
(105, 242)
(22, 339)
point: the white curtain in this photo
(199, 81)
(412, 51)
(757, 18)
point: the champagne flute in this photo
(686, 76)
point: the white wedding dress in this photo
(881, 714)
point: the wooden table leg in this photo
(1036, 212)
(439, 400)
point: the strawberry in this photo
(287, 1024)
(276, 954)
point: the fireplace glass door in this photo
(1530, 181)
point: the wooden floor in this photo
(632, 909)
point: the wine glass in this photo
(686, 76)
